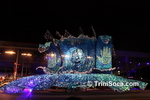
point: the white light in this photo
(3, 77)
(119, 72)
(10, 52)
(67, 56)
(89, 57)
(52, 55)
(62, 55)
(26, 54)
(79, 53)
(30, 90)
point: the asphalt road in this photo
(95, 94)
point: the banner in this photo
(104, 52)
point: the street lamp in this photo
(10, 52)
(26, 54)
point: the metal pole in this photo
(26, 70)
(16, 65)
(6, 69)
(22, 66)
(127, 68)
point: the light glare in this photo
(26, 54)
(10, 52)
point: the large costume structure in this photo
(74, 62)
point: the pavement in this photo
(90, 94)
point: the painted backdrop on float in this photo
(53, 58)
(78, 54)
(104, 52)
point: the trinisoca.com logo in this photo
(110, 83)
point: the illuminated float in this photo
(73, 62)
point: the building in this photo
(132, 64)
(23, 55)
(27, 58)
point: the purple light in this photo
(147, 63)
(27, 93)
(130, 62)
(133, 70)
(139, 64)
(135, 89)
(119, 62)
(27, 90)
(48, 58)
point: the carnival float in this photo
(74, 62)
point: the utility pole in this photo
(16, 66)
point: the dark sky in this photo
(127, 22)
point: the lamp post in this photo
(16, 62)
(16, 65)
(22, 66)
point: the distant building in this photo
(131, 64)
(28, 57)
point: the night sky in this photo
(127, 22)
